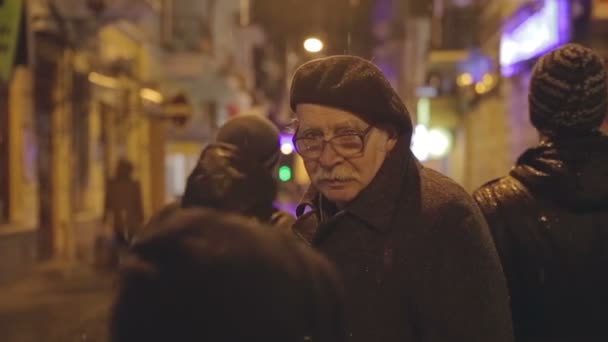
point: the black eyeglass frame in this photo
(361, 135)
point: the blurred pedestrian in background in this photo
(123, 204)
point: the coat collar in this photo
(376, 205)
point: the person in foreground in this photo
(549, 216)
(203, 275)
(412, 247)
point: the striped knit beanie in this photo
(568, 92)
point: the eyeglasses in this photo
(346, 145)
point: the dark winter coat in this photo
(549, 219)
(416, 258)
(208, 276)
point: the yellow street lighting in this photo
(103, 80)
(489, 80)
(313, 45)
(151, 95)
(481, 88)
(465, 80)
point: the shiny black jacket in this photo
(416, 257)
(549, 219)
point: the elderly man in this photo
(412, 247)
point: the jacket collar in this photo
(570, 171)
(376, 204)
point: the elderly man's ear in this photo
(390, 143)
(391, 138)
(294, 125)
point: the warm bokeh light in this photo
(465, 80)
(102, 80)
(439, 142)
(481, 88)
(313, 45)
(151, 95)
(287, 148)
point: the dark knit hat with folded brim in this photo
(352, 84)
(254, 135)
(568, 92)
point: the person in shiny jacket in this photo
(549, 216)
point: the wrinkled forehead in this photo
(326, 119)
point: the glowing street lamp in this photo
(465, 80)
(286, 144)
(313, 45)
(428, 144)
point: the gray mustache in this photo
(332, 176)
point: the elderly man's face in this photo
(337, 169)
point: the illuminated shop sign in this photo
(534, 34)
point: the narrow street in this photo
(57, 302)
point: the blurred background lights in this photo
(427, 144)
(286, 144)
(465, 80)
(287, 148)
(285, 173)
(438, 142)
(313, 45)
(419, 139)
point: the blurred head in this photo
(254, 135)
(569, 92)
(205, 276)
(124, 169)
(225, 178)
(342, 153)
(348, 119)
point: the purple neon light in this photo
(382, 11)
(286, 139)
(541, 32)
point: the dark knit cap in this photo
(225, 178)
(254, 135)
(352, 84)
(568, 92)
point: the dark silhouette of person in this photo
(236, 174)
(207, 275)
(123, 204)
(549, 215)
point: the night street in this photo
(58, 302)
(303, 170)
